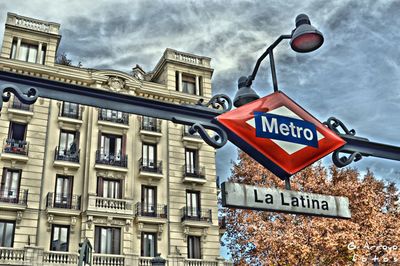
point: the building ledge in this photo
(197, 224)
(150, 220)
(14, 157)
(150, 136)
(107, 167)
(66, 164)
(20, 112)
(71, 121)
(63, 212)
(12, 206)
(150, 175)
(195, 180)
(112, 124)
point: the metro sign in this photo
(279, 134)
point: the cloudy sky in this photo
(354, 76)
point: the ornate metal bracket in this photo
(358, 147)
(29, 98)
(218, 101)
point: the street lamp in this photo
(304, 38)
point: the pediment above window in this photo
(116, 81)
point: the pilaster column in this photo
(197, 89)
(179, 81)
(39, 53)
(18, 48)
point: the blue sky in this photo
(354, 76)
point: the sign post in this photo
(273, 199)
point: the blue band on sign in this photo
(285, 128)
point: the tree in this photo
(62, 59)
(370, 237)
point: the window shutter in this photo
(100, 182)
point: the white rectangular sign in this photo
(273, 199)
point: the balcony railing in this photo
(12, 255)
(54, 200)
(148, 210)
(152, 125)
(196, 214)
(145, 261)
(16, 104)
(76, 114)
(59, 257)
(20, 147)
(111, 159)
(66, 155)
(194, 171)
(199, 262)
(108, 260)
(121, 118)
(110, 203)
(14, 196)
(150, 166)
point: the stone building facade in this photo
(133, 186)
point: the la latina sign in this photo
(279, 134)
(273, 199)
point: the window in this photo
(109, 188)
(107, 240)
(149, 200)
(7, 230)
(110, 147)
(113, 116)
(17, 131)
(59, 238)
(70, 110)
(192, 203)
(149, 245)
(63, 193)
(149, 123)
(189, 84)
(67, 144)
(149, 152)
(28, 52)
(9, 187)
(191, 161)
(194, 247)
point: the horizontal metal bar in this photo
(369, 148)
(111, 100)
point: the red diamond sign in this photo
(279, 134)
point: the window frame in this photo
(98, 242)
(100, 187)
(142, 244)
(190, 244)
(189, 208)
(2, 183)
(146, 206)
(52, 237)
(61, 203)
(11, 130)
(2, 234)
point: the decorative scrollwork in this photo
(29, 98)
(218, 101)
(345, 160)
(217, 141)
(333, 123)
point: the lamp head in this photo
(305, 38)
(245, 94)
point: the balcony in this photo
(108, 260)
(151, 214)
(110, 161)
(20, 110)
(63, 204)
(196, 217)
(113, 118)
(12, 256)
(145, 261)
(150, 169)
(60, 257)
(66, 158)
(150, 130)
(192, 174)
(110, 205)
(13, 199)
(15, 150)
(72, 117)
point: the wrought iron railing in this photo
(196, 214)
(54, 200)
(16, 104)
(151, 210)
(120, 119)
(66, 155)
(120, 160)
(152, 125)
(14, 196)
(16, 146)
(194, 171)
(150, 166)
(76, 114)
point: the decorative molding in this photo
(90, 221)
(139, 230)
(186, 231)
(160, 230)
(115, 84)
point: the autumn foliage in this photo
(370, 237)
